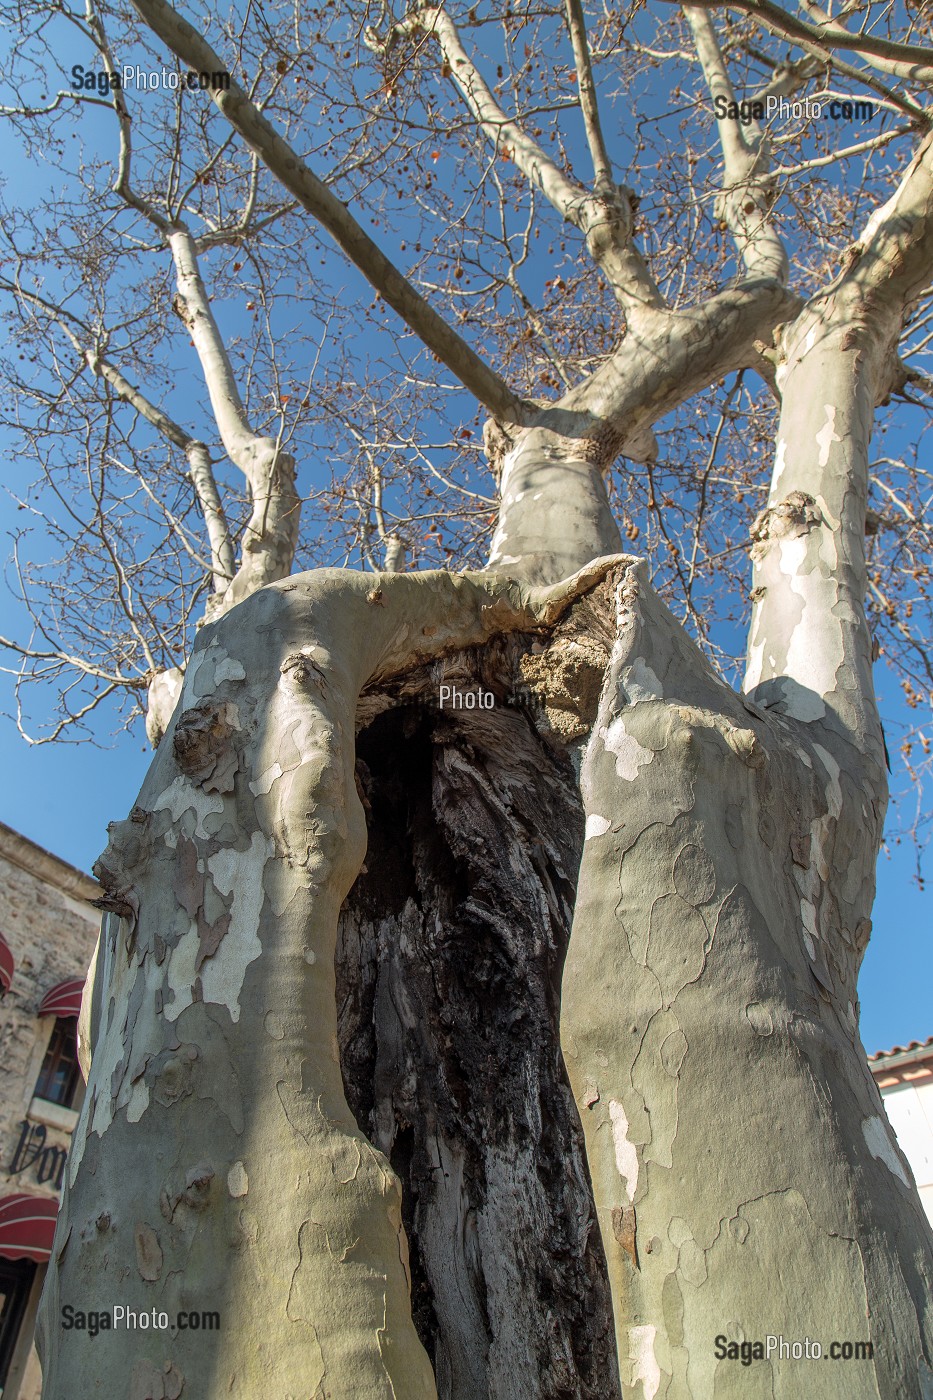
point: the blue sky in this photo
(63, 796)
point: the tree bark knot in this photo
(497, 444)
(602, 445)
(609, 221)
(796, 515)
(203, 748)
(623, 1228)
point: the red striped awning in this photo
(64, 999)
(27, 1224)
(6, 966)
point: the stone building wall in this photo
(904, 1075)
(51, 930)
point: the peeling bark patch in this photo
(203, 746)
(180, 797)
(596, 826)
(827, 434)
(744, 744)
(174, 1079)
(139, 1102)
(642, 684)
(263, 784)
(198, 1186)
(209, 963)
(673, 1053)
(188, 884)
(877, 1136)
(800, 849)
(694, 875)
(691, 1259)
(834, 790)
(237, 1180)
(210, 933)
(623, 1227)
(148, 1382)
(644, 1364)
(229, 670)
(678, 940)
(815, 669)
(208, 669)
(629, 753)
(626, 1151)
(759, 1018)
(796, 515)
(237, 874)
(739, 1229)
(148, 1252)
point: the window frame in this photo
(61, 1051)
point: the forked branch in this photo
(745, 202)
(605, 216)
(314, 196)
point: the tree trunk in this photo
(746, 1179)
(216, 1165)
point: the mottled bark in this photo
(809, 647)
(216, 1163)
(161, 698)
(554, 514)
(722, 911)
(266, 1128)
(747, 1182)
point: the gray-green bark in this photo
(746, 1180)
(216, 1164)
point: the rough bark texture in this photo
(449, 963)
(722, 910)
(215, 1086)
(745, 1179)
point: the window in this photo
(60, 1075)
(16, 1278)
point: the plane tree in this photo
(506, 1046)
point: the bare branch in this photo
(917, 61)
(297, 177)
(748, 188)
(605, 218)
(602, 166)
(199, 460)
(272, 533)
(792, 76)
(122, 184)
(880, 53)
